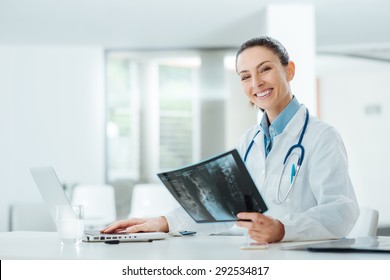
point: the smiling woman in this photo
(265, 74)
(308, 198)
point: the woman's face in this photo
(265, 80)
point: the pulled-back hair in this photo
(267, 42)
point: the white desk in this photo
(46, 245)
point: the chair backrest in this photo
(367, 223)
(98, 202)
(150, 200)
(31, 217)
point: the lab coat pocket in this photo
(287, 196)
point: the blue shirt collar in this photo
(281, 121)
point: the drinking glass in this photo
(70, 224)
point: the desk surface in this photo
(46, 245)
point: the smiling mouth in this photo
(263, 93)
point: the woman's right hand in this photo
(138, 225)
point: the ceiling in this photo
(360, 27)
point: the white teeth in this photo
(263, 93)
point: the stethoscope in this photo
(294, 170)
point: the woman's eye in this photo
(243, 78)
(265, 69)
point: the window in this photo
(154, 100)
(177, 108)
(122, 141)
(133, 149)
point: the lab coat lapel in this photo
(295, 126)
(259, 141)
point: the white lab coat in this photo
(322, 204)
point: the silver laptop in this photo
(51, 190)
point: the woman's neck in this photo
(274, 112)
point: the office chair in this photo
(367, 223)
(31, 217)
(98, 202)
(150, 200)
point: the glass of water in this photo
(70, 224)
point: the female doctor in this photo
(298, 163)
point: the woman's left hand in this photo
(261, 228)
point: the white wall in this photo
(350, 91)
(298, 36)
(51, 113)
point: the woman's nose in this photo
(256, 81)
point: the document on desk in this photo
(215, 190)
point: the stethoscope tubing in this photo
(290, 150)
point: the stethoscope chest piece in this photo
(290, 171)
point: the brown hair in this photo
(270, 43)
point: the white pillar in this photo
(149, 121)
(212, 94)
(294, 26)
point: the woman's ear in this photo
(290, 70)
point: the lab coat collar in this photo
(259, 139)
(294, 127)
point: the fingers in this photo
(254, 222)
(112, 227)
(150, 225)
(121, 225)
(271, 233)
(138, 225)
(260, 227)
(253, 216)
(139, 228)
